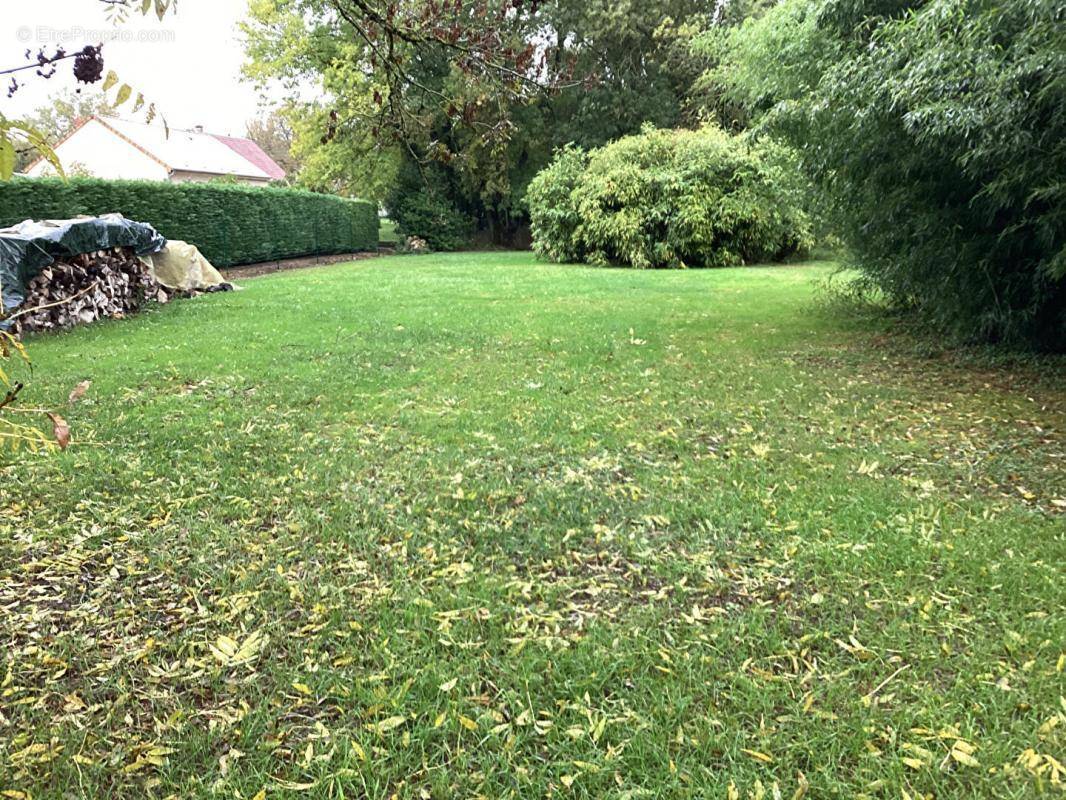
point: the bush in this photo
(553, 214)
(231, 224)
(935, 130)
(429, 216)
(426, 202)
(670, 199)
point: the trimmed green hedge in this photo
(231, 224)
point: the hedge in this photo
(231, 224)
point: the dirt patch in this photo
(246, 271)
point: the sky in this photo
(188, 64)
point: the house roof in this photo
(193, 151)
(251, 151)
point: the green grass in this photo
(387, 232)
(492, 528)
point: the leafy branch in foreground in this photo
(88, 69)
(14, 434)
(16, 132)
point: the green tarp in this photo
(29, 247)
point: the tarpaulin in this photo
(29, 247)
(182, 266)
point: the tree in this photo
(274, 133)
(352, 165)
(483, 93)
(936, 132)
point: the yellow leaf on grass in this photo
(387, 724)
(224, 649)
(250, 647)
(963, 757)
(766, 759)
(231, 653)
(919, 752)
(302, 688)
(447, 686)
(467, 723)
(297, 787)
(78, 392)
(1048, 726)
(867, 468)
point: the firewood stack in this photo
(88, 287)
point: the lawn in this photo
(387, 232)
(474, 526)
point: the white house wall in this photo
(100, 152)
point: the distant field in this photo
(475, 526)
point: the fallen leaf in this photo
(60, 429)
(386, 725)
(766, 759)
(960, 755)
(467, 723)
(78, 392)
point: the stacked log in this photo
(85, 288)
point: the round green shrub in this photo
(667, 198)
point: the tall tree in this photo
(936, 132)
(273, 131)
(444, 105)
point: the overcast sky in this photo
(188, 64)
